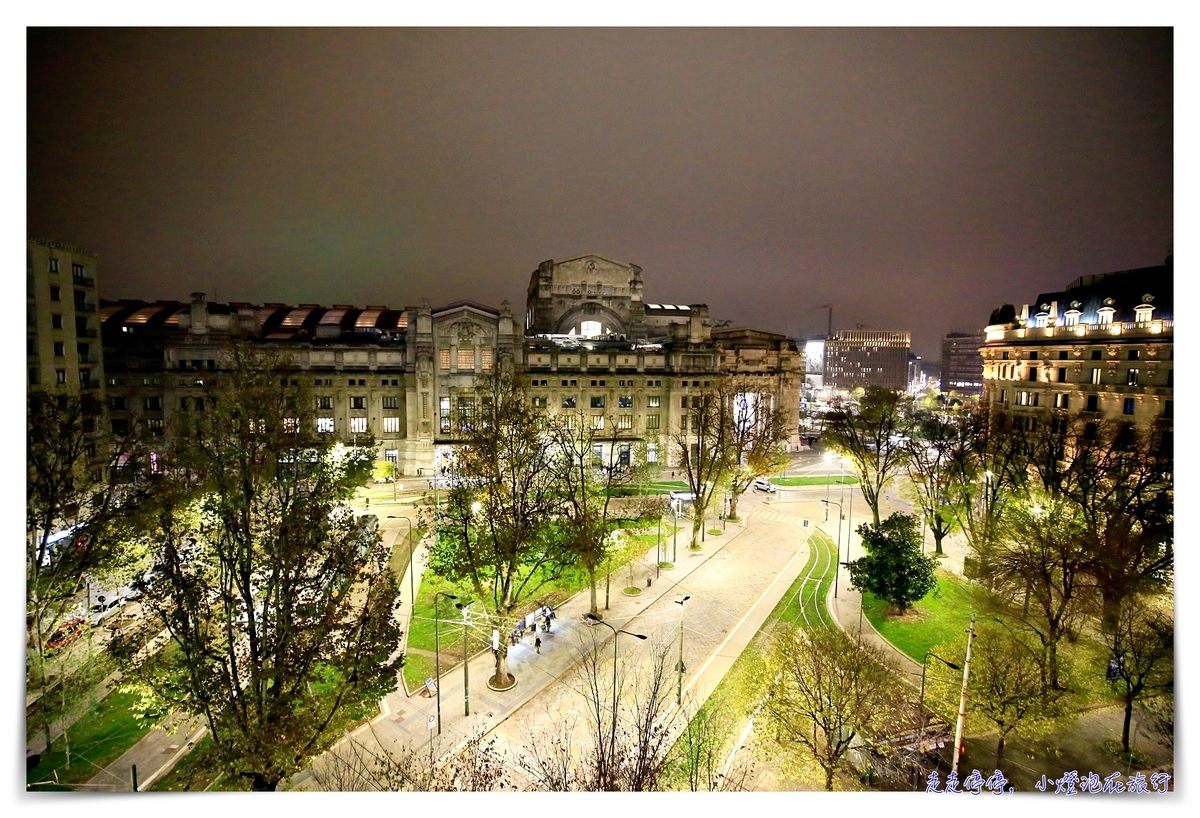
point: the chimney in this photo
(199, 315)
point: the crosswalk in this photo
(777, 517)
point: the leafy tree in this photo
(497, 520)
(894, 568)
(930, 450)
(1143, 652)
(278, 599)
(873, 439)
(82, 497)
(827, 691)
(757, 439)
(383, 470)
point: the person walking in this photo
(537, 644)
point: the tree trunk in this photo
(829, 779)
(697, 525)
(938, 536)
(1125, 727)
(1000, 749)
(592, 588)
(733, 501)
(1052, 654)
(502, 677)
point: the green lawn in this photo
(99, 737)
(419, 667)
(942, 616)
(835, 480)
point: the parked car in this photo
(683, 498)
(105, 608)
(67, 632)
(763, 484)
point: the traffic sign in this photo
(432, 723)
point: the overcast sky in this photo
(916, 178)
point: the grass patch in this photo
(942, 616)
(100, 736)
(833, 480)
(715, 532)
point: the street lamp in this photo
(412, 586)
(462, 606)
(838, 557)
(437, 656)
(921, 706)
(597, 620)
(679, 688)
(828, 459)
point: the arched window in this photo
(1105, 314)
(1072, 317)
(1142, 313)
(589, 329)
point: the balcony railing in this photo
(84, 281)
(1004, 332)
(84, 306)
(85, 333)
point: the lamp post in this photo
(828, 459)
(658, 551)
(412, 571)
(675, 534)
(837, 557)
(962, 701)
(597, 620)
(679, 667)
(462, 606)
(924, 665)
(437, 656)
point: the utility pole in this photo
(962, 702)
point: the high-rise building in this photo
(861, 358)
(1103, 347)
(62, 340)
(962, 365)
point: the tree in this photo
(277, 598)
(590, 462)
(894, 568)
(828, 690)
(496, 523)
(873, 439)
(704, 446)
(1041, 565)
(83, 493)
(1142, 647)
(700, 751)
(757, 439)
(929, 452)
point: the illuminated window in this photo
(597, 401)
(653, 401)
(391, 455)
(358, 402)
(1105, 315)
(444, 360)
(390, 424)
(1072, 318)
(1142, 313)
(568, 402)
(651, 422)
(485, 360)
(589, 329)
(598, 454)
(625, 401)
(1062, 401)
(466, 359)
(391, 402)
(1131, 377)
(444, 412)
(539, 403)
(291, 425)
(53, 265)
(325, 426)
(598, 423)
(1127, 409)
(651, 452)
(324, 402)
(625, 421)
(1096, 375)
(358, 426)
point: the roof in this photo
(1121, 291)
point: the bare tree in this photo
(829, 690)
(703, 443)
(930, 449)
(1143, 654)
(700, 750)
(873, 439)
(758, 438)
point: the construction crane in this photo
(829, 330)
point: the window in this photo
(598, 383)
(55, 294)
(1033, 373)
(358, 402)
(1072, 317)
(1096, 354)
(598, 423)
(152, 404)
(1062, 355)
(350, 382)
(391, 402)
(59, 349)
(1105, 314)
(325, 426)
(1062, 401)
(1131, 377)
(1169, 409)
(624, 457)
(199, 404)
(651, 452)
(654, 383)
(1171, 377)
(56, 322)
(60, 376)
(35, 377)
(625, 421)
(1135, 354)
(183, 404)
(570, 383)
(466, 359)
(1003, 395)
(391, 455)
(539, 403)
(568, 402)
(1142, 313)
(389, 424)
(651, 422)
(444, 413)
(77, 270)
(1096, 375)
(625, 402)
(466, 409)
(1127, 409)
(485, 360)
(1093, 403)
(444, 360)
(589, 329)
(53, 265)
(1004, 355)
(291, 425)
(358, 426)
(1062, 374)
(597, 454)
(683, 402)
(150, 382)
(597, 401)
(652, 401)
(1033, 356)
(120, 426)
(117, 404)
(325, 402)
(683, 424)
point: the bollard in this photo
(133, 775)
(649, 581)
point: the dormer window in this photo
(1072, 317)
(1142, 313)
(1105, 315)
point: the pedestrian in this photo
(537, 645)
(546, 625)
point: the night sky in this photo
(917, 178)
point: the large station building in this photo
(588, 339)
